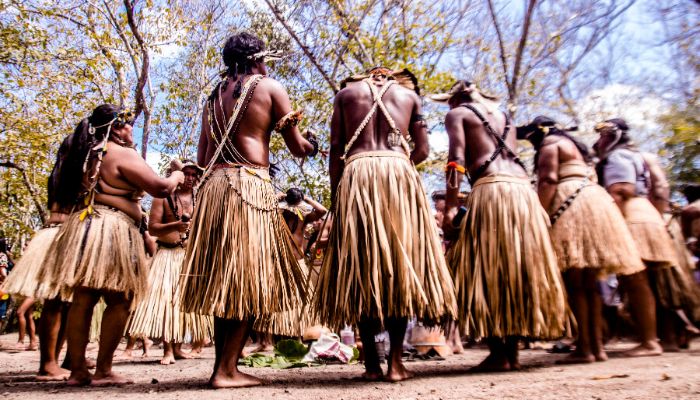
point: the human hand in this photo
(182, 226)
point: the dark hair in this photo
(692, 192)
(294, 196)
(77, 172)
(533, 132)
(3, 245)
(235, 53)
(61, 157)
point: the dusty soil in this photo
(674, 376)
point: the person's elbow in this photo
(301, 149)
(420, 153)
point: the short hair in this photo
(294, 196)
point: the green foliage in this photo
(683, 145)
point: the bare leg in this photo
(595, 308)
(497, 360)
(368, 328)
(168, 356)
(578, 300)
(129, 349)
(24, 318)
(147, 343)
(397, 330)
(454, 339)
(265, 343)
(79, 318)
(643, 309)
(178, 353)
(512, 353)
(219, 340)
(227, 374)
(51, 342)
(113, 323)
(28, 306)
(666, 326)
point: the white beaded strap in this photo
(390, 120)
(234, 116)
(377, 101)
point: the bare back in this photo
(356, 102)
(268, 103)
(470, 141)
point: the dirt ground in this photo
(675, 376)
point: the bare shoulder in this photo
(550, 140)
(270, 85)
(124, 153)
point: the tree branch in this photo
(30, 188)
(303, 47)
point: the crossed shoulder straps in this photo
(500, 144)
(231, 127)
(396, 138)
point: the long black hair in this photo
(76, 174)
(236, 52)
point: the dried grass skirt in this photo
(24, 278)
(649, 232)
(384, 257)
(504, 267)
(159, 315)
(239, 261)
(592, 232)
(105, 252)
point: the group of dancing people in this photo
(522, 261)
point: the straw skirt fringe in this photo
(24, 279)
(105, 251)
(159, 315)
(384, 257)
(504, 266)
(292, 322)
(649, 232)
(239, 262)
(592, 232)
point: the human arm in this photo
(336, 164)
(455, 131)
(134, 170)
(281, 106)
(319, 211)
(203, 146)
(157, 227)
(660, 191)
(419, 133)
(547, 174)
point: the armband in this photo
(417, 118)
(453, 165)
(289, 120)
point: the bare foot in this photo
(601, 356)
(645, 349)
(398, 373)
(372, 376)
(79, 378)
(147, 343)
(127, 354)
(263, 347)
(90, 363)
(576, 358)
(19, 346)
(53, 373)
(180, 355)
(493, 363)
(239, 380)
(110, 379)
(32, 347)
(167, 359)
